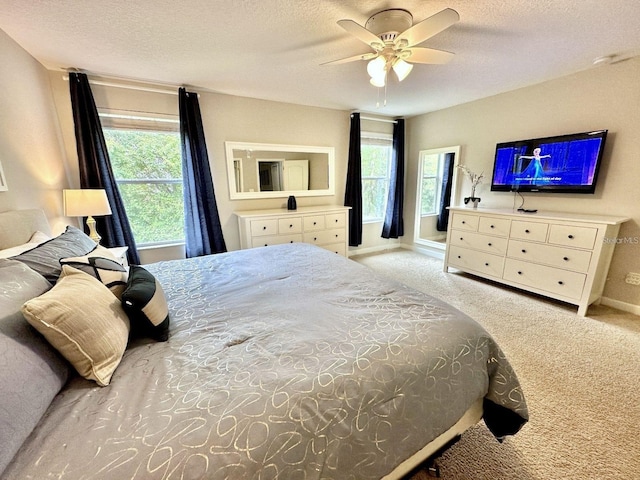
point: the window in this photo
(147, 166)
(431, 182)
(376, 164)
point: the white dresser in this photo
(325, 226)
(560, 255)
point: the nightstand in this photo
(121, 255)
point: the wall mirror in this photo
(437, 180)
(263, 170)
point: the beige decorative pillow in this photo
(84, 321)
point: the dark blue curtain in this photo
(95, 166)
(353, 190)
(445, 192)
(203, 231)
(393, 226)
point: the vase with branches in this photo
(476, 179)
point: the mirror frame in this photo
(271, 147)
(432, 245)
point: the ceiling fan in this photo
(393, 38)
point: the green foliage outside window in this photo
(148, 169)
(375, 180)
(430, 166)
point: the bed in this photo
(282, 362)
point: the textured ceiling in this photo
(273, 49)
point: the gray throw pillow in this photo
(31, 371)
(45, 258)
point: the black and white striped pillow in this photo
(146, 305)
(102, 265)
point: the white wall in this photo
(31, 149)
(606, 97)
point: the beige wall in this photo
(605, 97)
(31, 150)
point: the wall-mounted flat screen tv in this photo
(560, 164)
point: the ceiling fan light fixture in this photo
(379, 80)
(377, 67)
(402, 69)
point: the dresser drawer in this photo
(267, 240)
(579, 237)
(567, 258)
(264, 227)
(338, 248)
(536, 232)
(494, 226)
(465, 222)
(480, 262)
(477, 241)
(314, 222)
(554, 280)
(289, 225)
(335, 220)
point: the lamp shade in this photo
(85, 203)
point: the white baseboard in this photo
(624, 306)
(426, 250)
(379, 248)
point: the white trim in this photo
(373, 119)
(430, 250)
(624, 306)
(354, 251)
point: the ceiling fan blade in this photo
(428, 27)
(426, 55)
(362, 56)
(361, 34)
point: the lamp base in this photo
(93, 233)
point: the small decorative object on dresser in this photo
(565, 256)
(476, 180)
(291, 203)
(325, 226)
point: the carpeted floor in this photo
(580, 375)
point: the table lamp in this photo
(87, 203)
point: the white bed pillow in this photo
(36, 239)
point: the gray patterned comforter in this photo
(284, 362)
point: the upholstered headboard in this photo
(17, 226)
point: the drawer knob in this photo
(491, 226)
(315, 223)
(291, 241)
(527, 231)
(486, 264)
(337, 235)
(459, 256)
(560, 282)
(336, 220)
(489, 244)
(569, 236)
(463, 222)
(524, 251)
(461, 238)
(566, 259)
(315, 238)
(290, 226)
(264, 228)
(519, 272)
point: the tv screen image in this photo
(563, 164)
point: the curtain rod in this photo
(129, 87)
(385, 120)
